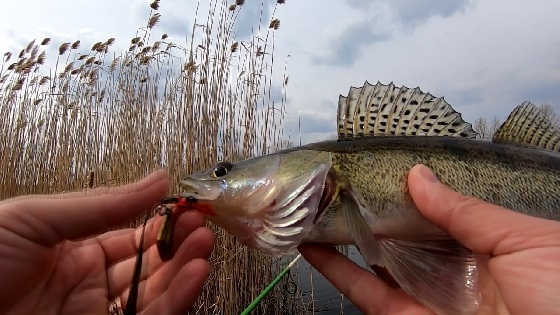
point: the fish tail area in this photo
(438, 271)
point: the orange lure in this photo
(171, 208)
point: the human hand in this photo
(51, 261)
(521, 275)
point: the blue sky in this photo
(485, 57)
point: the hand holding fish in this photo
(52, 261)
(522, 275)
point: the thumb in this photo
(484, 228)
(49, 219)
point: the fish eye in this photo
(222, 169)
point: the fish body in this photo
(354, 190)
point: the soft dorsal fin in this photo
(528, 125)
(388, 110)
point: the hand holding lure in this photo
(170, 208)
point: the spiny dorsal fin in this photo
(528, 125)
(388, 110)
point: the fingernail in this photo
(427, 173)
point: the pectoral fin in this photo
(436, 270)
(439, 272)
(359, 230)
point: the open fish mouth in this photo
(291, 216)
(202, 189)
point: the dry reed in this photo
(103, 118)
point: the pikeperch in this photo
(354, 190)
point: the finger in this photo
(366, 292)
(49, 220)
(138, 185)
(182, 291)
(156, 275)
(122, 244)
(480, 226)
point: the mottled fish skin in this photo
(522, 179)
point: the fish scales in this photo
(522, 179)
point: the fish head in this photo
(268, 202)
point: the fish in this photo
(353, 190)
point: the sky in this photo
(484, 57)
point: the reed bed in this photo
(101, 117)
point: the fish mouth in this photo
(202, 189)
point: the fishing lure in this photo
(170, 208)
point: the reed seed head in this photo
(274, 24)
(34, 51)
(154, 5)
(75, 44)
(18, 85)
(99, 47)
(45, 41)
(154, 19)
(63, 48)
(29, 46)
(41, 58)
(156, 45)
(145, 60)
